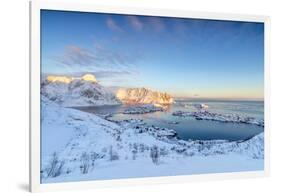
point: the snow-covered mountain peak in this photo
(89, 77)
(62, 79)
(69, 79)
(77, 91)
(143, 96)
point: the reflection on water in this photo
(190, 128)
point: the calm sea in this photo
(190, 128)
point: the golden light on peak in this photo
(89, 77)
(63, 79)
(67, 79)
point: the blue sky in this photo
(185, 57)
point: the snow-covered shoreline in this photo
(142, 109)
(206, 115)
(81, 146)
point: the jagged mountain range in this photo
(83, 91)
(86, 91)
(143, 96)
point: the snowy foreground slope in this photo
(81, 146)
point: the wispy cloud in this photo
(76, 56)
(103, 62)
(135, 23)
(106, 73)
(96, 57)
(112, 25)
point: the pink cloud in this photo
(112, 25)
(135, 23)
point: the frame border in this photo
(34, 95)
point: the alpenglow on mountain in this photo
(86, 91)
(77, 91)
(143, 96)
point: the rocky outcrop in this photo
(143, 96)
(77, 91)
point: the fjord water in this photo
(190, 128)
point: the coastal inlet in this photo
(227, 120)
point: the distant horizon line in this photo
(219, 99)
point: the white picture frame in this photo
(36, 6)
